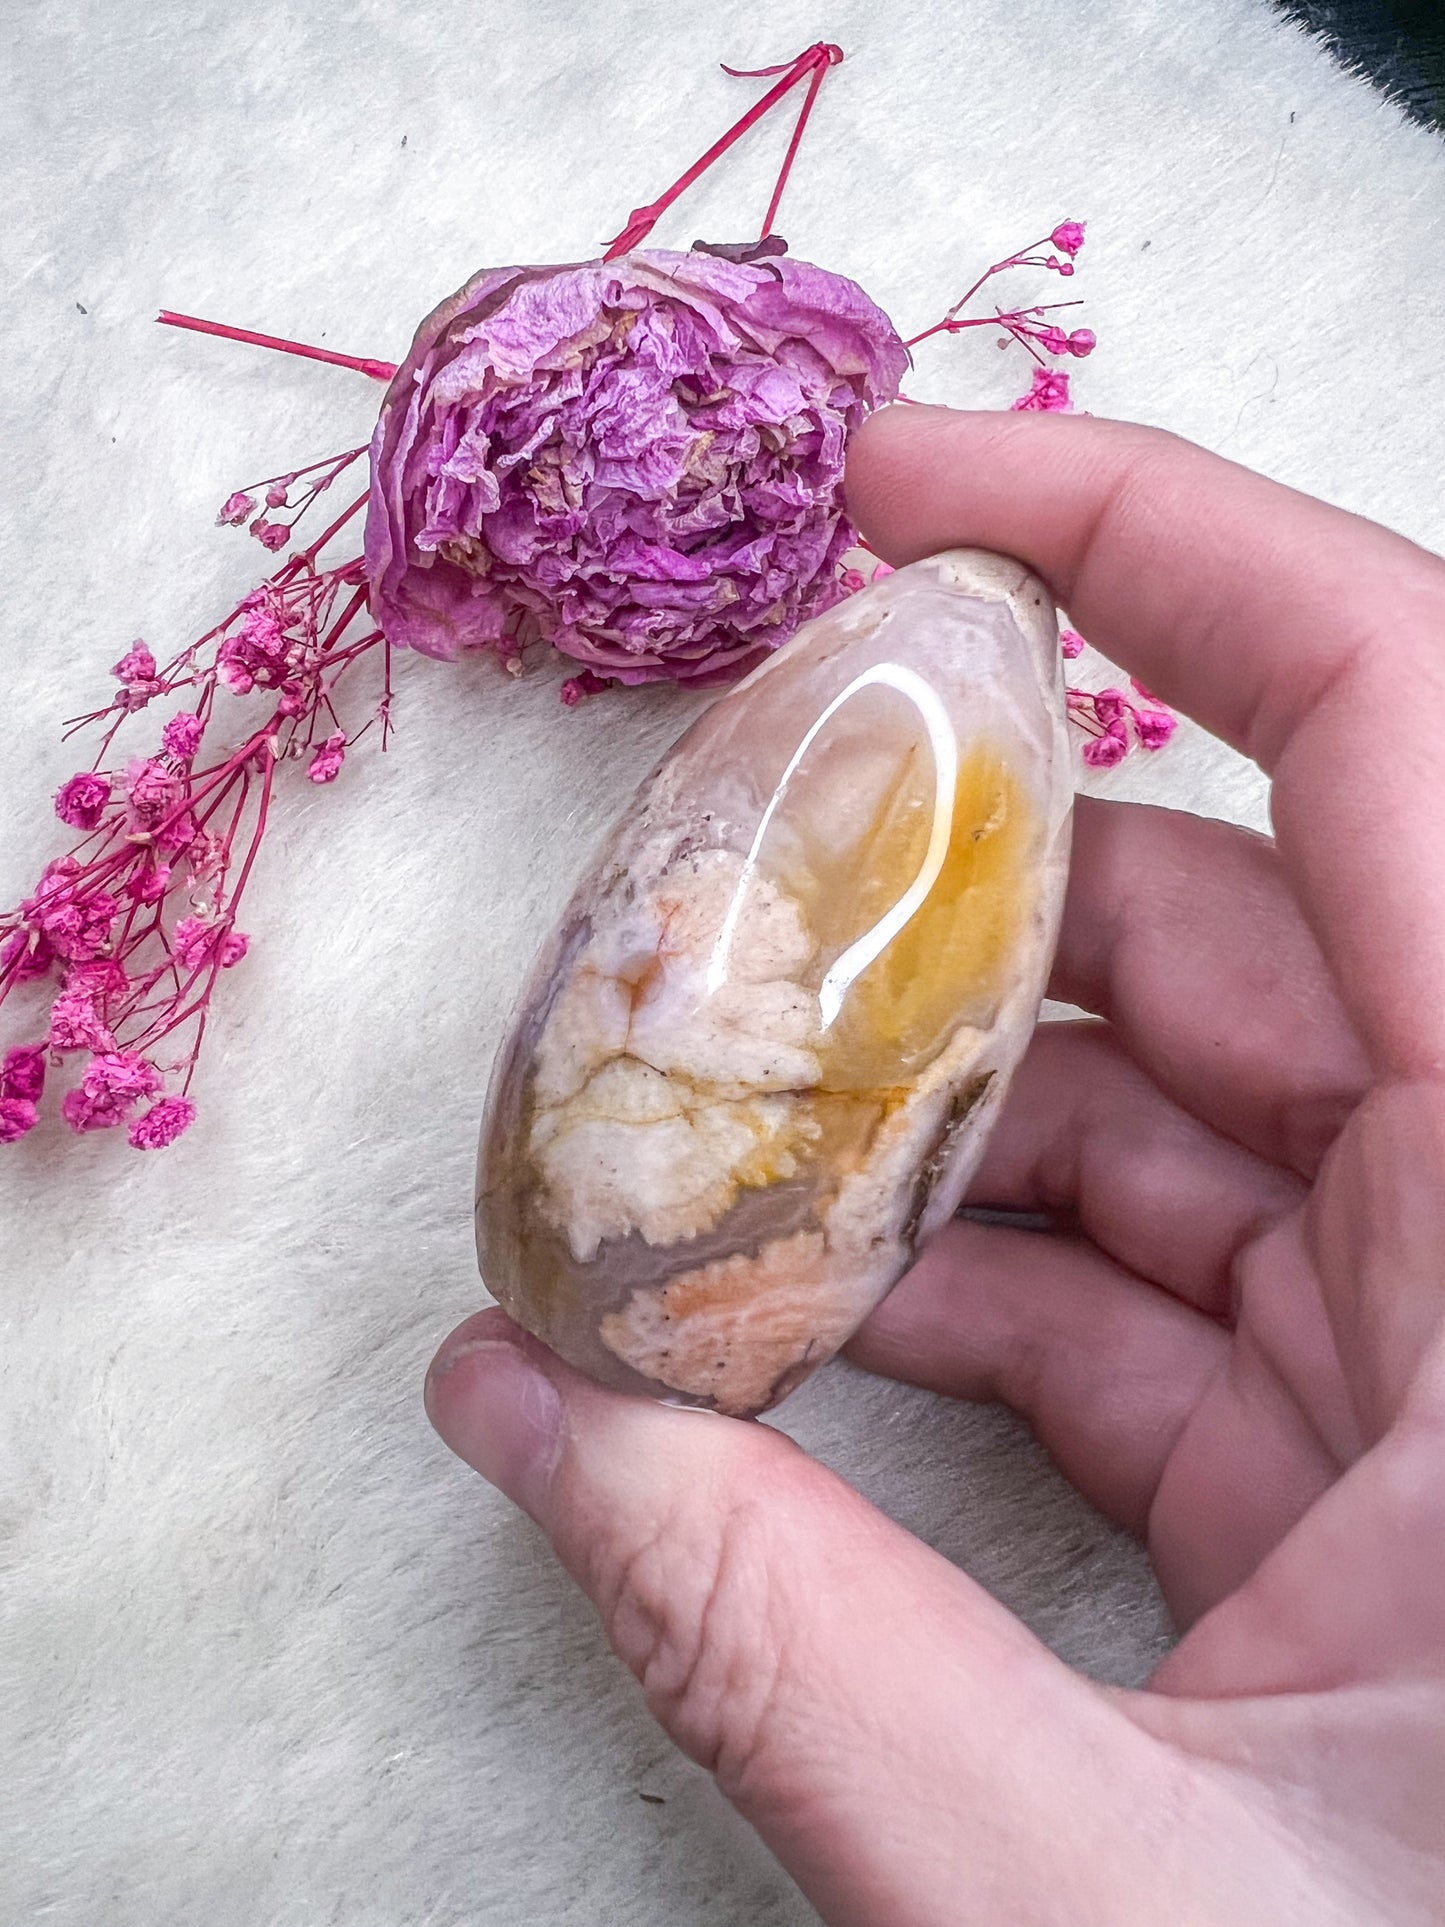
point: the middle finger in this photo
(1182, 932)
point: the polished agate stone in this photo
(756, 1064)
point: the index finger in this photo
(1310, 639)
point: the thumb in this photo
(908, 1750)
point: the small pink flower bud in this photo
(233, 673)
(276, 496)
(1155, 726)
(152, 792)
(18, 1116)
(1082, 342)
(75, 1024)
(22, 1074)
(271, 535)
(81, 802)
(234, 510)
(178, 835)
(576, 688)
(113, 1084)
(1103, 752)
(234, 946)
(162, 1124)
(149, 883)
(1071, 643)
(181, 736)
(136, 665)
(192, 943)
(1049, 394)
(1068, 236)
(325, 765)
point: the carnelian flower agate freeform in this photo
(756, 1064)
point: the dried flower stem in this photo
(813, 62)
(1027, 326)
(138, 919)
(378, 370)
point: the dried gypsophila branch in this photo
(135, 923)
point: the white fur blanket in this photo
(269, 1655)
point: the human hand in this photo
(1234, 1343)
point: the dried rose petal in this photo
(639, 461)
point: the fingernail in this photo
(500, 1413)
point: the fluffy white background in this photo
(269, 1656)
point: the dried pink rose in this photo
(82, 801)
(638, 461)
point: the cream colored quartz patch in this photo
(655, 1103)
(730, 1330)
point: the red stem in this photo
(310, 554)
(814, 84)
(999, 319)
(378, 370)
(814, 61)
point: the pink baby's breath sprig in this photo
(1114, 722)
(294, 493)
(1028, 326)
(1049, 394)
(130, 929)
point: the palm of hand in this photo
(1232, 1339)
